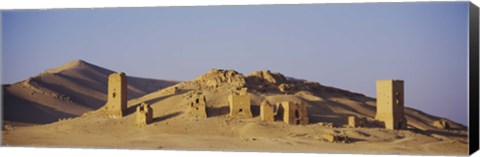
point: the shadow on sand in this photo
(165, 117)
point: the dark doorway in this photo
(297, 117)
(279, 113)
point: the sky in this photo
(347, 46)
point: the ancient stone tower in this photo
(390, 108)
(267, 112)
(117, 95)
(240, 104)
(198, 107)
(294, 113)
(144, 114)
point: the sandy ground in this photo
(236, 135)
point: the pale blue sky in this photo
(342, 45)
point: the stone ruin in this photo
(441, 124)
(239, 103)
(198, 107)
(117, 95)
(144, 115)
(355, 122)
(325, 124)
(294, 113)
(364, 122)
(390, 104)
(267, 112)
(290, 112)
(336, 138)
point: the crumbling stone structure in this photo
(441, 124)
(239, 103)
(294, 112)
(198, 107)
(289, 112)
(355, 122)
(390, 104)
(325, 124)
(144, 114)
(117, 95)
(336, 138)
(267, 112)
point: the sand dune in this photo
(172, 128)
(66, 91)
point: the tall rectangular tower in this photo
(390, 104)
(117, 95)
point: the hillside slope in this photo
(66, 91)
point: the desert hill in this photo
(173, 128)
(66, 91)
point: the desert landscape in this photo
(83, 105)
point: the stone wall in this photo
(441, 124)
(354, 122)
